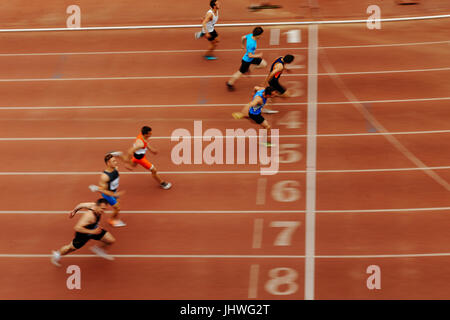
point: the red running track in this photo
(224, 231)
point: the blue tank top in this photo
(257, 109)
(250, 47)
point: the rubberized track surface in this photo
(216, 235)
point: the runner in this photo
(277, 68)
(208, 29)
(250, 57)
(87, 228)
(107, 186)
(253, 109)
(136, 155)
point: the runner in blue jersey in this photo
(254, 108)
(250, 57)
(107, 186)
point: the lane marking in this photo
(259, 200)
(133, 52)
(261, 191)
(201, 137)
(243, 24)
(253, 281)
(392, 139)
(221, 104)
(211, 256)
(311, 155)
(219, 76)
(257, 233)
(352, 211)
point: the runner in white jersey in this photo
(208, 30)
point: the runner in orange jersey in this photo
(136, 155)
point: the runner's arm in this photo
(103, 186)
(152, 150)
(277, 68)
(80, 206)
(136, 146)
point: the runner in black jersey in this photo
(108, 185)
(277, 68)
(87, 228)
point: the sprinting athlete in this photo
(249, 58)
(136, 155)
(253, 109)
(107, 186)
(87, 228)
(277, 68)
(208, 30)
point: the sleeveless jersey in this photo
(210, 24)
(278, 74)
(140, 153)
(113, 182)
(257, 109)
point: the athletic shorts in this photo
(245, 65)
(81, 238)
(111, 200)
(274, 83)
(213, 35)
(258, 118)
(143, 162)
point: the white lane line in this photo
(387, 45)
(352, 211)
(243, 24)
(217, 50)
(253, 281)
(259, 199)
(311, 155)
(257, 233)
(221, 104)
(219, 76)
(202, 137)
(133, 52)
(223, 256)
(261, 191)
(380, 128)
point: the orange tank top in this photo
(140, 153)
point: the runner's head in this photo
(101, 205)
(257, 32)
(110, 160)
(214, 3)
(268, 91)
(146, 132)
(288, 58)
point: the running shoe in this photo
(93, 188)
(116, 223)
(210, 58)
(199, 34)
(166, 185)
(230, 87)
(116, 153)
(101, 253)
(56, 256)
(237, 115)
(268, 144)
(269, 111)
